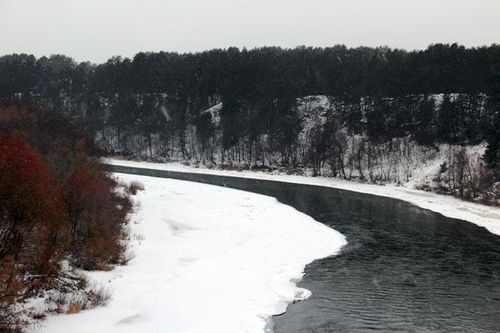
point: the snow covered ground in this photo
(206, 259)
(485, 216)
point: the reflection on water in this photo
(404, 270)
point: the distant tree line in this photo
(155, 105)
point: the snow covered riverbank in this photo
(206, 259)
(485, 216)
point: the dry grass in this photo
(99, 297)
(74, 308)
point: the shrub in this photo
(55, 202)
(31, 207)
(96, 216)
(135, 186)
(32, 224)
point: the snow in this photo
(313, 111)
(206, 259)
(424, 171)
(481, 215)
(214, 112)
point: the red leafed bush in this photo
(55, 203)
(30, 203)
(32, 223)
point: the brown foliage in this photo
(55, 202)
(96, 213)
(31, 212)
(31, 222)
(73, 308)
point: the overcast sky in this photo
(98, 29)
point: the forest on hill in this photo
(345, 112)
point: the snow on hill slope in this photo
(207, 259)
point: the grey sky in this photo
(97, 29)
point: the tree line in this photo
(232, 106)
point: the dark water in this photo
(405, 269)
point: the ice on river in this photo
(206, 259)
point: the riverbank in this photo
(481, 215)
(205, 258)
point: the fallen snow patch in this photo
(206, 259)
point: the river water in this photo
(404, 269)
